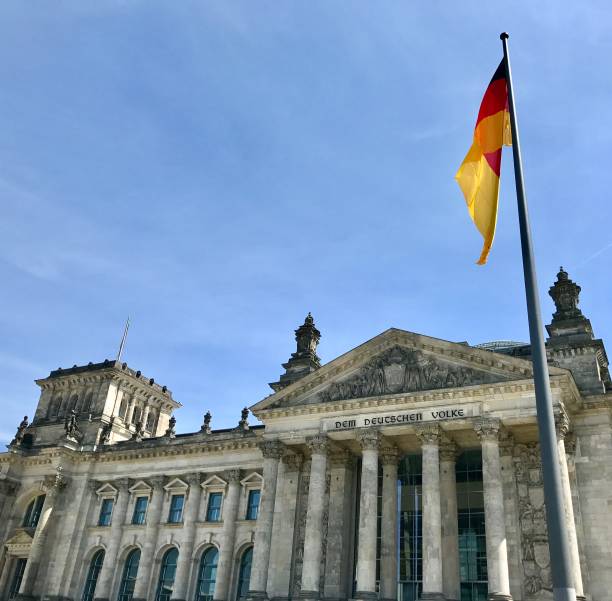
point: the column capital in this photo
(448, 450)
(506, 443)
(271, 449)
(318, 444)
(570, 443)
(55, 484)
(340, 457)
(192, 479)
(487, 428)
(121, 483)
(156, 482)
(428, 433)
(389, 455)
(232, 476)
(293, 461)
(562, 423)
(93, 485)
(369, 440)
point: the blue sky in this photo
(216, 170)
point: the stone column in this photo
(339, 525)
(190, 517)
(53, 484)
(228, 536)
(313, 534)
(105, 579)
(145, 416)
(495, 525)
(284, 526)
(368, 509)
(147, 556)
(272, 451)
(450, 530)
(429, 435)
(388, 548)
(562, 424)
(130, 411)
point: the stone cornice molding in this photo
(318, 444)
(487, 428)
(428, 433)
(271, 449)
(369, 439)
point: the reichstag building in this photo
(406, 469)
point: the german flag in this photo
(478, 175)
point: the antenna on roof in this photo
(125, 331)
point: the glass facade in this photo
(213, 510)
(207, 575)
(92, 576)
(167, 572)
(140, 510)
(175, 515)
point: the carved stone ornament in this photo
(232, 475)
(171, 431)
(448, 450)
(20, 431)
(271, 449)
(318, 444)
(206, 425)
(400, 370)
(293, 461)
(506, 443)
(192, 479)
(562, 423)
(341, 458)
(565, 294)
(369, 440)
(428, 433)
(121, 483)
(389, 455)
(487, 428)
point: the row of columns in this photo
(441, 576)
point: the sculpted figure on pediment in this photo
(400, 370)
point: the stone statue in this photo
(20, 431)
(171, 432)
(206, 425)
(106, 431)
(71, 426)
(139, 432)
(243, 424)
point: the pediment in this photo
(176, 484)
(19, 544)
(107, 490)
(398, 362)
(214, 482)
(141, 487)
(253, 479)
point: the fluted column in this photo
(562, 426)
(150, 538)
(190, 517)
(228, 535)
(54, 485)
(368, 508)
(429, 435)
(388, 547)
(450, 530)
(103, 588)
(495, 525)
(313, 536)
(272, 451)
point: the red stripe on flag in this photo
(494, 160)
(495, 99)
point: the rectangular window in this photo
(106, 512)
(213, 511)
(253, 504)
(140, 510)
(176, 509)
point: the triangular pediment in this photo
(398, 362)
(21, 537)
(176, 484)
(141, 487)
(107, 490)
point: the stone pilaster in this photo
(495, 524)
(388, 549)
(339, 524)
(368, 502)
(190, 517)
(272, 451)
(105, 579)
(448, 510)
(283, 527)
(54, 485)
(313, 538)
(228, 535)
(562, 426)
(429, 435)
(147, 556)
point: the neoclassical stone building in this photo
(407, 468)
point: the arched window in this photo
(166, 575)
(244, 574)
(32, 514)
(54, 407)
(136, 415)
(207, 575)
(92, 575)
(150, 421)
(128, 579)
(87, 404)
(123, 408)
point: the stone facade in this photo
(100, 498)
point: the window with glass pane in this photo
(140, 510)
(410, 527)
(244, 574)
(176, 509)
(20, 565)
(92, 576)
(128, 578)
(213, 511)
(106, 512)
(253, 504)
(166, 575)
(32, 514)
(207, 575)
(471, 522)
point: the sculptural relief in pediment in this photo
(402, 370)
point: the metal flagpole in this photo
(125, 331)
(562, 580)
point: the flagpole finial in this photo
(504, 35)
